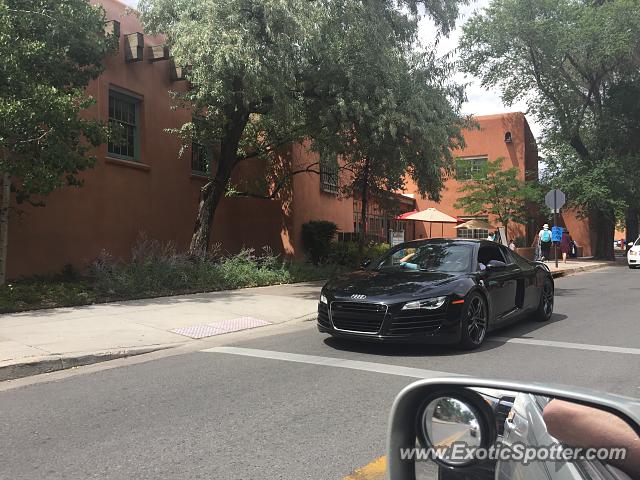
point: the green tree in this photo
(499, 192)
(49, 51)
(266, 73)
(392, 111)
(563, 57)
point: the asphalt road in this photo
(296, 405)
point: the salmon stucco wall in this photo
(157, 195)
(310, 203)
(487, 140)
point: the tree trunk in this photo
(631, 223)
(605, 229)
(365, 204)
(4, 225)
(210, 196)
(213, 191)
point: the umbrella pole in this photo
(430, 227)
(442, 229)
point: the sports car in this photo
(446, 291)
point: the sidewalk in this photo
(41, 341)
(575, 265)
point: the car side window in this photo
(508, 255)
(486, 253)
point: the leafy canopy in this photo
(567, 59)
(347, 74)
(49, 51)
(497, 191)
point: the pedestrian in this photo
(512, 245)
(573, 253)
(545, 242)
(565, 245)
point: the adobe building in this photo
(144, 186)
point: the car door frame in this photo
(497, 283)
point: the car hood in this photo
(387, 286)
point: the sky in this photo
(480, 101)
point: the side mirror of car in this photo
(473, 428)
(365, 263)
(495, 264)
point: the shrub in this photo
(158, 269)
(349, 255)
(316, 239)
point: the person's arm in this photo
(587, 427)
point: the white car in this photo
(633, 255)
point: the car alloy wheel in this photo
(475, 322)
(547, 299)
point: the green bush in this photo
(349, 255)
(317, 236)
(158, 269)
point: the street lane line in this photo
(373, 471)
(574, 346)
(333, 362)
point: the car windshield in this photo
(428, 257)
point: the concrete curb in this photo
(12, 369)
(571, 271)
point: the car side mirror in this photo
(365, 263)
(495, 264)
(466, 425)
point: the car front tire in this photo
(475, 321)
(545, 307)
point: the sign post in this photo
(555, 200)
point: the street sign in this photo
(555, 200)
(396, 238)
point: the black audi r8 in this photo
(436, 291)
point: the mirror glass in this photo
(447, 421)
(553, 435)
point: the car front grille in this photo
(358, 317)
(416, 322)
(323, 315)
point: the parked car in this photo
(633, 254)
(436, 291)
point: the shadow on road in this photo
(519, 329)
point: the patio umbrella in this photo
(432, 215)
(404, 215)
(475, 223)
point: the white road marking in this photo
(575, 346)
(333, 362)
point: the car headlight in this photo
(632, 253)
(323, 299)
(428, 304)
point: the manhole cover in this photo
(218, 328)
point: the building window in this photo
(329, 176)
(124, 125)
(480, 233)
(468, 168)
(201, 157)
